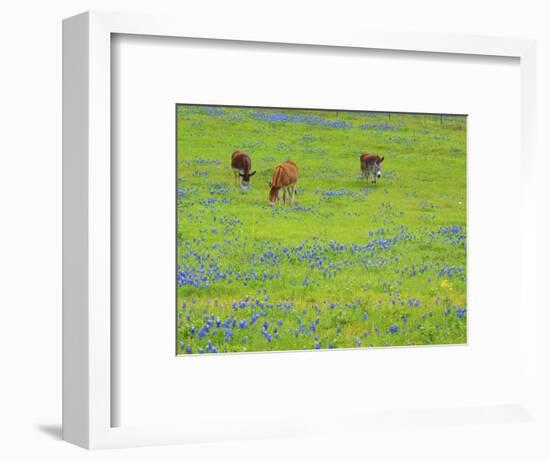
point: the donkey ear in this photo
(382, 159)
(241, 175)
(252, 174)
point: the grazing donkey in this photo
(284, 177)
(241, 164)
(370, 166)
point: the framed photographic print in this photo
(285, 216)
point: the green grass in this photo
(374, 252)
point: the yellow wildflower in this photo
(446, 284)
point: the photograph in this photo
(316, 229)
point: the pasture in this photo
(351, 264)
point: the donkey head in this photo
(376, 167)
(246, 177)
(273, 194)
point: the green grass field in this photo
(352, 264)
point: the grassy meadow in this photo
(352, 264)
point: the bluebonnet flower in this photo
(317, 346)
(377, 127)
(412, 302)
(394, 328)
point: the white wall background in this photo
(30, 217)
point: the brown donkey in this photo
(370, 166)
(241, 164)
(284, 177)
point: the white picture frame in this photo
(87, 359)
